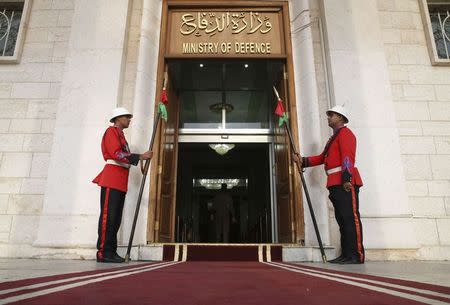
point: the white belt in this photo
(114, 162)
(333, 170)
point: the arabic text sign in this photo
(225, 33)
(216, 22)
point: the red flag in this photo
(282, 115)
(280, 109)
(164, 98)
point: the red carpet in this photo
(196, 283)
(218, 253)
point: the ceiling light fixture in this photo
(221, 148)
(219, 106)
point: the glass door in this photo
(231, 96)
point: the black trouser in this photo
(111, 207)
(346, 209)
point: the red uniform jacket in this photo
(114, 146)
(339, 151)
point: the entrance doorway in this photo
(226, 131)
(222, 130)
(224, 198)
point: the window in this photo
(12, 23)
(436, 17)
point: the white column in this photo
(91, 87)
(142, 125)
(311, 135)
(361, 81)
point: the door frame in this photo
(298, 225)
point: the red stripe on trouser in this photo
(357, 226)
(104, 220)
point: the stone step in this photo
(227, 252)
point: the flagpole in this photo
(305, 187)
(141, 190)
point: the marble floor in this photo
(18, 269)
(431, 272)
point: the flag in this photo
(281, 113)
(162, 104)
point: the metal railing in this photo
(440, 23)
(9, 27)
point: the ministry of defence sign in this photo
(225, 33)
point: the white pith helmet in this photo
(116, 112)
(339, 109)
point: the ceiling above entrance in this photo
(225, 94)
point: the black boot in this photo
(117, 257)
(350, 260)
(109, 258)
(337, 259)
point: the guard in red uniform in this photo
(113, 180)
(343, 184)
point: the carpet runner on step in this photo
(218, 252)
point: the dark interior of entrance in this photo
(200, 214)
(223, 97)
